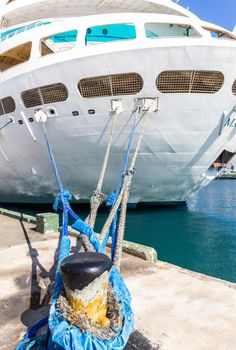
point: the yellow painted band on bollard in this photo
(92, 300)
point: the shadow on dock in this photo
(138, 341)
(41, 284)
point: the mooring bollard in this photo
(47, 222)
(86, 280)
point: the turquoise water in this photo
(200, 236)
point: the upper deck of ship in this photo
(14, 12)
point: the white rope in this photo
(127, 185)
(122, 198)
(111, 215)
(121, 228)
(97, 197)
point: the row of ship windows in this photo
(97, 35)
(123, 31)
(178, 81)
(64, 41)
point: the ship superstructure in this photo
(73, 58)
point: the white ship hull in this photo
(181, 142)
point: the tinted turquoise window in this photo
(110, 32)
(12, 32)
(66, 37)
(168, 30)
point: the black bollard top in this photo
(79, 270)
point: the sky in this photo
(222, 13)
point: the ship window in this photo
(15, 56)
(111, 85)
(168, 30)
(188, 81)
(109, 33)
(223, 159)
(220, 34)
(7, 105)
(12, 32)
(58, 42)
(44, 95)
(234, 88)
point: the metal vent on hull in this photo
(111, 85)
(7, 105)
(44, 95)
(189, 81)
(31, 98)
(1, 109)
(234, 88)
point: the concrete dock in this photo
(175, 309)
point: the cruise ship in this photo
(76, 60)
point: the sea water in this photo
(200, 236)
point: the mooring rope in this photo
(114, 228)
(117, 196)
(123, 198)
(127, 185)
(122, 294)
(97, 197)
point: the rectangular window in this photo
(15, 56)
(110, 33)
(58, 42)
(169, 30)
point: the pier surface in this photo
(175, 309)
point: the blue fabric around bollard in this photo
(69, 337)
(84, 228)
(63, 335)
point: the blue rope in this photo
(60, 198)
(114, 195)
(125, 164)
(31, 333)
(58, 178)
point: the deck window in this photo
(190, 81)
(110, 33)
(111, 85)
(220, 34)
(44, 95)
(15, 56)
(58, 42)
(7, 105)
(168, 30)
(12, 32)
(223, 159)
